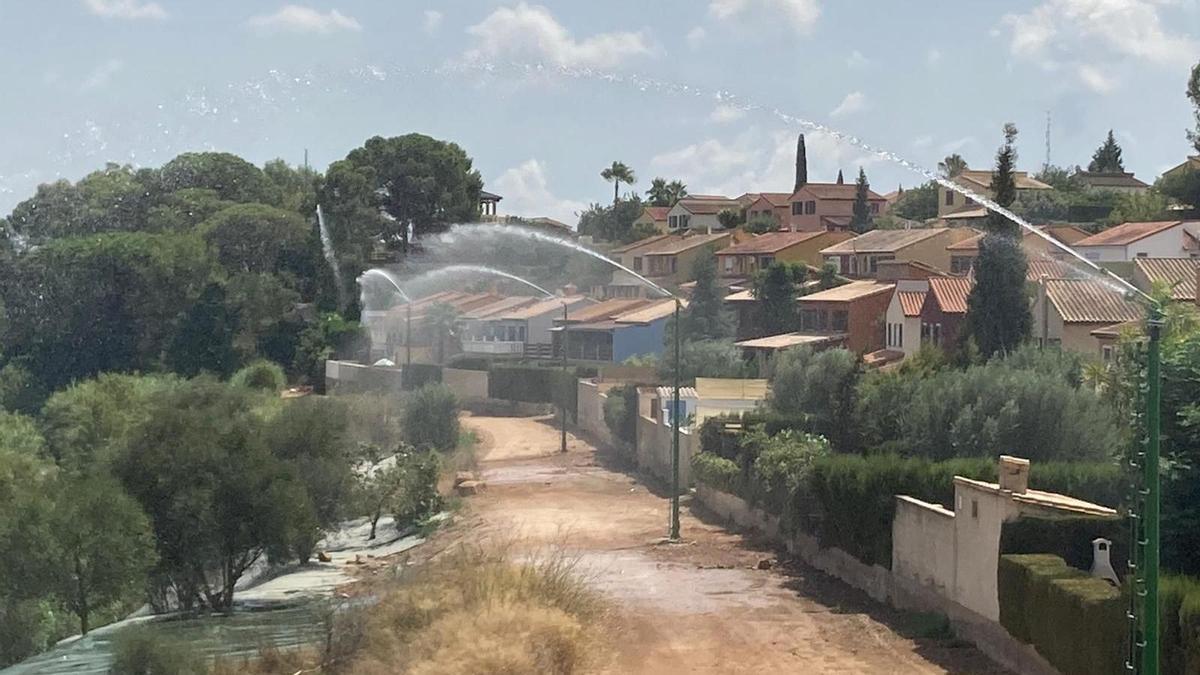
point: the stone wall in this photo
(923, 545)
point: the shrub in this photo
(261, 374)
(621, 413)
(1179, 605)
(469, 363)
(417, 496)
(1077, 622)
(1067, 538)
(141, 652)
(416, 375)
(819, 389)
(782, 468)
(431, 418)
(716, 472)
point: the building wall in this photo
(760, 206)
(910, 334)
(924, 545)
(951, 324)
(697, 222)
(959, 202)
(811, 222)
(634, 340)
(646, 219)
(590, 410)
(1166, 244)
(865, 320)
(654, 450)
(466, 384)
(979, 515)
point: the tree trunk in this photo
(81, 597)
(616, 191)
(374, 520)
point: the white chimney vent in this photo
(1014, 474)
(1101, 563)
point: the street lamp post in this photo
(408, 335)
(564, 393)
(1150, 519)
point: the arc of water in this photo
(330, 255)
(376, 272)
(534, 235)
(477, 269)
(643, 83)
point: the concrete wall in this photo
(590, 410)
(654, 450)
(347, 376)
(980, 515)
(466, 384)
(1165, 244)
(923, 545)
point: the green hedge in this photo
(537, 384)
(417, 375)
(1179, 605)
(716, 472)
(1068, 538)
(469, 363)
(1075, 621)
(1101, 482)
(621, 413)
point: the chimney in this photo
(801, 164)
(1014, 474)
(840, 180)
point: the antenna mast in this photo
(1047, 164)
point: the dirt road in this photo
(695, 607)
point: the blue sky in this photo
(138, 81)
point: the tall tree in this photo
(1107, 158)
(705, 317)
(618, 173)
(861, 221)
(203, 342)
(998, 317)
(775, 290)
(1193, 94)
(658, 194)
(919, 203)
(676, 190)
(952, 165)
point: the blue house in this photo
(615, 330)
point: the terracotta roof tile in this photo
(1090, 301)
(771, 242)
(676, 244)
(1127, 233)
(1178, 273)
(656, 212)
(951, 293)
(843, 191)
(911, 301)
(709, 206)
(855, 290)
(984, 179)
(883, 241)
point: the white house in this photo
(1130, 241)
(700, 213)
(904, 316)
(518, 328)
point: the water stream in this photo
(331, 256)
(448, 270)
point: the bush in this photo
(1067, 538)
(1077, 622)
(261, 374)
(781, 469)
(417, 497)
(417, 375)
(469, 363)
(431, 418)
(716, 472)
(1179, 605)
(621, 413)
(140, 652)
(818, 388)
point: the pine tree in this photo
(204, 340)
(775, 290)
(1107, 158)
(862, 221)
(705, 317)
(1193, 94)
(998, 317)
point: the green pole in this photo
(1150, 520)
(408, 334)
(565, 394)
(675, 436)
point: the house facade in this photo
(980, 182)
(774, 207)
(964, 253)
(615, 332)
(828, 206)
(903, 322)
(944, 310)
(860, 257)
(1120, 182)
(742, 260)
(522, 330)
(1067, 311)
(700, 214)
(856, 310)
(655, 217)
(1130, 241)
(665, 259)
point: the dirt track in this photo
(696, 607)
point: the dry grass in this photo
(475, 610)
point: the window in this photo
(875, 207)
(1106, 353)
(728, 263)
(841, 321)
(674, 261)
(822, 320)
(1092, 255)
(766, 261)
(968, 201)
(873, 264)
(1143, 254)
(949, 197)
(836, 261)
(900, 335)
(797, 208)
(808, 319)
(637, 263)
(521, 333)
(810, 207)
(673, 222)
(960, 264)
(684, 221)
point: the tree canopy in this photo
(616, 174)
(1107, 158)
(860, 222)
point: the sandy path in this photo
(697, 607)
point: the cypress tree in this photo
(998, 316)
(705, 317)
(1107, 158)
(861, 220)
(775, 290)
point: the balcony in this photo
(500, 347)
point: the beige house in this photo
(1178, 274)
(742, 260)
(903, 332)
(653, 216)
(771, 206)
(979, 182)
(1067, 311)
(828, 206)
(1036, 247)
(1155, 239)
(1117, 181)
(665, 259)
(700, 213)
(1192, 163)
(860, 256)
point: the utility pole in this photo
(566, 380)
(1047, 164)
(675, 421)
(1150, 520)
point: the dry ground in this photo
(695, 607)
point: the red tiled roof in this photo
(1089, 301)
(883, 241)
(1127, 233)
(777, 198)
(911, 301)
(984, 179)
(844, 191)
(1178, 273)
(678, 243)
(771, 242)
(709, 206)
(656, 212)
(1109, 179)
(951, 293)
(641, 242)
(1053, 269)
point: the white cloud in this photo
(1092, 36)
(527, 193)
(299, 19)
(433, 21)
(933, 56)
(725, 112)
(801, 14)
(857, 60)
(102, 74)
(696, 36)
(532, 31)
(854, 102)
(1095, 79)
(126, 9)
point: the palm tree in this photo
(676, 190)
(658, 194)
(618, 173)
(952, 166)
(438, 324)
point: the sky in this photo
(544, 96)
